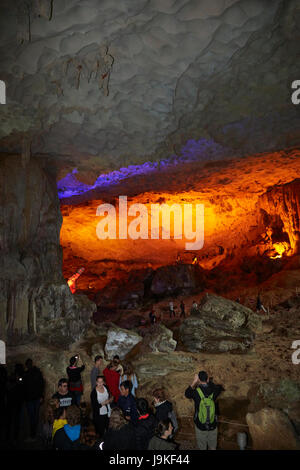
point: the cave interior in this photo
(137, 106)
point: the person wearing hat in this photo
(202, 389)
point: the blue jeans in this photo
(77, 397)
(33, 408)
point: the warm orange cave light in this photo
(232, 195)
(72, 280)
(280, 248)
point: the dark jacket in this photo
(162, 411)
(144, 431)
(128, 406)
(157, 443)
(65, 400)
(75, 374)
(33, 384)
(207, 390)
(62, 442)
(121, 439)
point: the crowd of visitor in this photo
(116, 418)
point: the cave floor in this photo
(268, 362)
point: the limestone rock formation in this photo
(34, 297)
(271, 429)
(280, 209)
(120, 342)
(281, 394)
(178, 70)
(161, 339)
(161, 364)
(219, 325)
(175, 279)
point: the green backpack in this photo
(206, 412)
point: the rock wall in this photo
(280, 209)
(33, 292)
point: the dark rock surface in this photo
(219, 325)
(177, 279)
(34, 297)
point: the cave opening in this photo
(250, 225)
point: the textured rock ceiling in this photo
(102, 84)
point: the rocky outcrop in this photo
(271, 429)
(280, 211)
(219, 325)
(160, 339)
(161, 364)
(177, 279)
(34, 297)
(281, 394)
(120, 342)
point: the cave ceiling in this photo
(100, 85)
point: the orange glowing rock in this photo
(234, 194)
(72, 280)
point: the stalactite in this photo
(26, 150)
(78, 68)
(27, 10)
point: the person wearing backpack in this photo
(204, 393)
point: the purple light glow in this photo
(201, 150)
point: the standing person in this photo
(100, 401)
(14, 402)
(259, 305)
(171, 308)
(3, 395)
(112, 378)
(120, 367)
(63, 394)
(163, 408)
(204, 393)
(96, 371)
(74, 374)
(33, 393)
(68, 437)
(120, 434)
(160, 441)
(145, 426)
(127, 402)
(59, 419)
(152, 317)
(129, 375)
(182, 313)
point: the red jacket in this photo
(112, 379)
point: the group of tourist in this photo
(22, 390)
(120, 419)
(154, 318)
